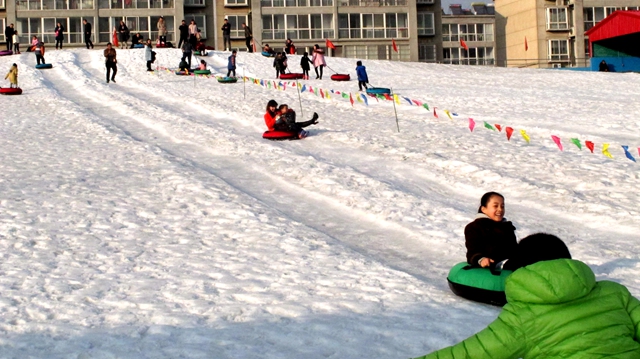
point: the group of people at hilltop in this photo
(555, 307)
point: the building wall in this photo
(515, 21)
(455, 45)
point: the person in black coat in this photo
(603, 67)
(226, 35)
(123, 35)
(59, 30)
(8, 34)
(184, 33)
(490, 239)
(87, 34)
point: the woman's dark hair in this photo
(537, 248)
(271, 103)
(359, 63)
(485, 199)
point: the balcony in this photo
(425, 2)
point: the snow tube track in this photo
(347, 227)
(346, 224)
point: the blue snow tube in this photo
(268, 54)
(138, 46)
(478, 284)
(44, 66)
(227, 80)
(378, 90)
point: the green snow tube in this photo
(478, 284)
(227, 80)
(202, 72)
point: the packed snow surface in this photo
(148, 218)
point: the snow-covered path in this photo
(148, 219)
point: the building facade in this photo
(549, 33)
(476, 28)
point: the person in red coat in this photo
(490, 239)
(283, 119)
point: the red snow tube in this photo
(10, 91)
(291, 76)
(340, 77)
(279, 135)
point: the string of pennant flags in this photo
(363, 98)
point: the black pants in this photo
(319, 76)
(230, 71)
(193, 40)
(87, 41)
(149, 66)
(182, 39)
(16, 47)
(186, 56)
(58, 42)
(111, 66)
(40, 58)
(248, 42)
(305, 74)
(292, 126)
(9, 43)
(362, 83)
(226, 39)
(163, 39)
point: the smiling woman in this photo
(490, 238)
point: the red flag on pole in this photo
(330, 44)
(351, 99)
(395, 47)
(464, 44)
(253, 44)
(526, 45)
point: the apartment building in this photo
(476, 28)
(362, 29)
(549, 33)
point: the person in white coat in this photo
(149, 54)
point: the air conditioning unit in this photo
(572, 32)
(556, 66)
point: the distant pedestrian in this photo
(87, 33)
(39, 51)
(111, 62)
(280, 63)
(193, 33)
(363, 79)
(123, 34)
(149, 54)
(289, 47)
(162, 31)
(184, 33)
(187, 50)
(603, 67)
(8, 35)
(12, 75)
(248, 36)
(59, 30)
(16, 43)
(226, 35)
(231, 66)
(318, 60)
(305, 63)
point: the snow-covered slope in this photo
(149, 219)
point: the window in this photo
(474, 56)
(134, 4)
(377, 26)
(2, 7)
(235, 3)
(200, 22)
(236, 22)
(468, 32)
(377, 52)
(557, 18)
(54, 4)
(308, 26)
(44, 29)
(3, 26)
(147, 26)
(295, 3)
(427, 53)
(425, 23)
(558, 50)
(196, 3)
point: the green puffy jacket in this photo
(556, 309)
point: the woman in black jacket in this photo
(490, 239)
(59, 30)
